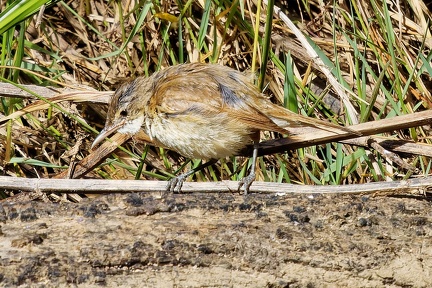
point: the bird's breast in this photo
(213, 137)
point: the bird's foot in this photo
(175, 184)
(246, 182)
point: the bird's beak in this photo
(107, 131)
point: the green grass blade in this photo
(266, 44)
(34, 162)
(18, 11)
(290, 92)
(204, 24)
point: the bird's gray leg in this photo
(247, 181)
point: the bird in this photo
(200, 110)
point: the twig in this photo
(315, 137)
(419, 186)
(393, 144)
(392, 157)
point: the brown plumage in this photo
(204, 111)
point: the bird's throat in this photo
(132, 126)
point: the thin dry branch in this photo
(76, 96)
(419, 186)
(315, 136)
(9, 90)
(395, 145)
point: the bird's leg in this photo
(176, 183)
(247, 181)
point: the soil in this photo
(211, 240)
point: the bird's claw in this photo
(246, 182)
(175, 184)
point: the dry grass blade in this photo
(98, 155)
(10, 90)
(76, 97)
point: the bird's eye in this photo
(123, 113)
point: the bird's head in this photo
(126, 110)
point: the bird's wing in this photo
(279, 115)
(201, 94)
(213, 89)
